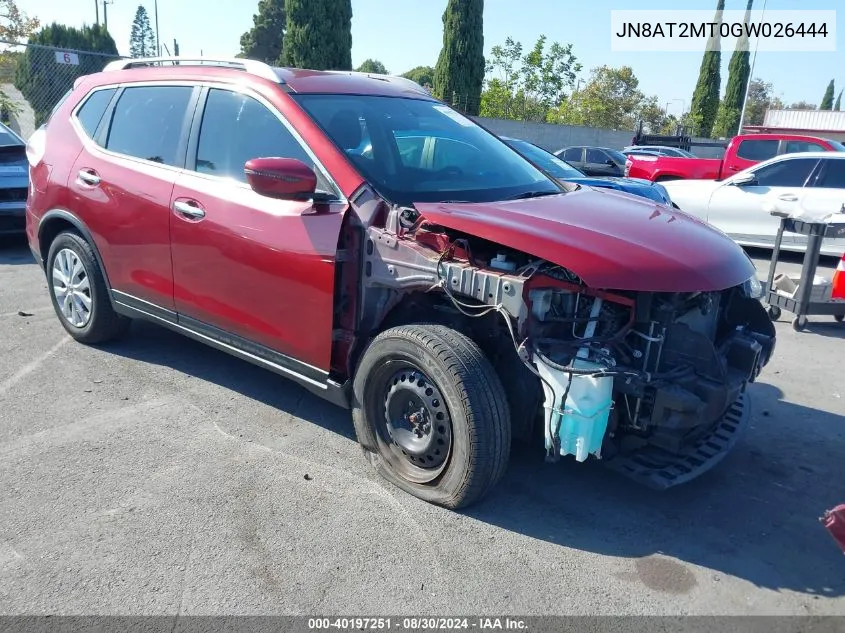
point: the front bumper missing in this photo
(658, 469)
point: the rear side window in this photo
(572, 155)
(92, 111)
(793, 147)
(237, 128)
(833, 176)
(757, 150)
(147, 122)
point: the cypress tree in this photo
(264, 40)
(705, 99)
(459, 73)
(827, 101)
(318, 34)
(837, 106)
(142, 40)
(739, 72)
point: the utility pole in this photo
(106, 4)
(158, 44)
(750, 75)
(97, 11)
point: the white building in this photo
(824, 123)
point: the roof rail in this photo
(253, 67)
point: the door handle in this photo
(89, 177)
(188, 209)
(788, 197)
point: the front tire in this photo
(78, 291)
(431, 415)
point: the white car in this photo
(810, 183)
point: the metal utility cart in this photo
(804, 304)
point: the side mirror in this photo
(285, 178)
(610, 163)
(744, 179)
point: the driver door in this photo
(740, 209)
(600, 164)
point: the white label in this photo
(699, 30)
(63, 57)
(455, 116)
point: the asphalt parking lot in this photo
(158, 476)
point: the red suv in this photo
(354, 234)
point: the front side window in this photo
(572, 155)
(597, 157)
(147, 123)
(833, 176)
(757, 150)
(237, 128)
(423, 151)
(785, 173)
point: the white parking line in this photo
(32, 366)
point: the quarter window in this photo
(786, 173)
(92, 111)
(147, 123)
(757, 150)
(237, 128)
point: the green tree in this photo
(654, 117)
(802, 105)
(837, 106)
(142, 39)
(705, 98)
(423, 75)
(827, 100)
(530, 86)
(14, 24)
(318, 35)
(459, 73)
(373, 66)
(43, 81)
(611, 99)
(264, 41)
(739, 71)
(760, 99)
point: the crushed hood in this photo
(610, 240)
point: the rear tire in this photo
(431, 415)
(78, 291)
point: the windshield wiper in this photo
(533, 194)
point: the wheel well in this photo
(49, 231)
(523, 389)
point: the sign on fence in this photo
(67, 58)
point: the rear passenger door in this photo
(134, 148)
(253, 271)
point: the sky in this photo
(403, 34)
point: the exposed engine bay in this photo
(652, 383)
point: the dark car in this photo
(439, 285)
(559, 169)
(14, 182)
(594, 161)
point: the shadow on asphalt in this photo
(14, 251)
(755, 516)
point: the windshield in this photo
(7, 138)
(413, 150)
(546, 161)
(618, 157)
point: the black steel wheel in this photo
(431, 414)
(799, 323)
(774, 313)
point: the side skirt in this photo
(313, 379)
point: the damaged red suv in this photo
(363, 239)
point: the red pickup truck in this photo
(742, 152)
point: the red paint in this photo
(612, 241)
(655, 168)
(280, 177)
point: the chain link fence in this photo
(34, 78)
